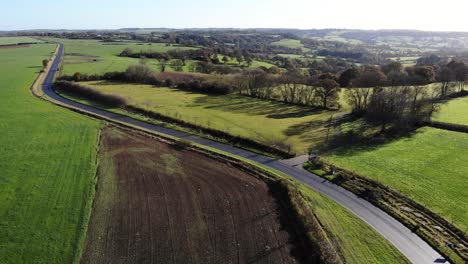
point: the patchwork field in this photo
(263, 120)
(47, 165)
(159, 204)
(156, 204)
(430, 166)
(95, 57)
(16, 40)
(454, 111)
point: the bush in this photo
(80, 90)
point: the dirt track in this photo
(156, 204)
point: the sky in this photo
(432, 15)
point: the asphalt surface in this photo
(407, 242)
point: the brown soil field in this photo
(158, 204)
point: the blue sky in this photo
(112, 14)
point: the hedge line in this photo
(81, 90)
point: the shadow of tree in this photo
(244, 104)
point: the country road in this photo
(408, 243)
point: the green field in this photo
(262, 120)
(291, 43)
(95, 57)
(454, 111)
(47, 165)
(430, 166)
(16, 40)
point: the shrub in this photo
(80, 90)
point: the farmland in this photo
(197, 214)
(292, 44)
(47, 164)
(95, 57)
(16, 40)
(156, 204)
(454, 111)
(263, 120)
(429, 166)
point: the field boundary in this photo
(433, 228)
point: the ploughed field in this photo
(157, 204)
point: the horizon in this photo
(182, 14)
(229, 28)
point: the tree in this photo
(240, 59)
(225, 60)
(387, 105)
(460, 71)
(347, 76)
(45, 63)
(77, 77)
(370, 76)
(327, 90)
(446, 75)
(421, 74)
(163, 64)
(126, 52)
(358, 99)
(177, 65)
(138, 73)
(249, 61)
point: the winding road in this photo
(407, 242)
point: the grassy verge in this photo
(47, 160)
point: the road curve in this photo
(407, 242)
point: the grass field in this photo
(265, 121)
(16, 40)
(430, 166)
(47, 165)
(95, 57)
(291, 43)
(454, 111)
